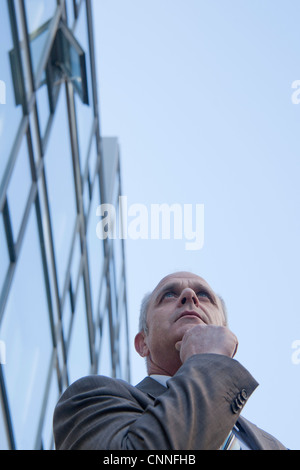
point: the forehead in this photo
(181, 279)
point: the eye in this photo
(168, 295)
(202, 294)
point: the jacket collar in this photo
(151, 387)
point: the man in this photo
(194, 392)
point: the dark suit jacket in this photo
(197, 410)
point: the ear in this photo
(140, 344)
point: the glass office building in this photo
(62, 287)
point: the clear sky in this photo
(199, 94)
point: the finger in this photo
(178, 345)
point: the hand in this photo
(203, 339)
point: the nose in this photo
(188, 295)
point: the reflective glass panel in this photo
(86, 196)
(93, 158)
(103, 298)
(84, 113)
(25, 328)
(34, 136)
(118, 246)
(66, 319)
(94, 249)
(113, 292)
(43, 107)
(39, 12)
(78, 355)
(105, 362)
(10, 114)
(47, 246)
(60, 183)
(70, 13)
(75, 264)
(19, 188)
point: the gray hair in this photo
(143, 312)
(145, 305)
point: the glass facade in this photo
(63, 309)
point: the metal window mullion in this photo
(12, 159)
(68, 269)
(16, 42)
(45, 268)
(92, 136)
(38, 440)
(8, 423)
(9, 233)
(12, 256)
(30, 200)
(91, 41)
(53, 262)
(80, 209)
(123, 274)
(91, 325)
(28, 61)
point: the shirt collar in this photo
(162, 379)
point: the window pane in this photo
(93, 158)
(42, 100)
(113, 292)
(66, 319)
(78, 356)
(75, 263)
(47, 246)
(38, 13)
(19, 187)
(86, 196)
(70, 13)
(84, 113)
(61, 191)
(26, 331)
(94, 249)
(34, 136)
(118, 247)
(10, 114)
(105, 362)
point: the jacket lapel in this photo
(257, 438)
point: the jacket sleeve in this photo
(201, 405)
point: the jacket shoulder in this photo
(97, 384)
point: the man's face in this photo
(179, 302)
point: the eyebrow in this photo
(196, 287)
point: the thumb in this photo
(178, 345)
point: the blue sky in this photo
(199, 95)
